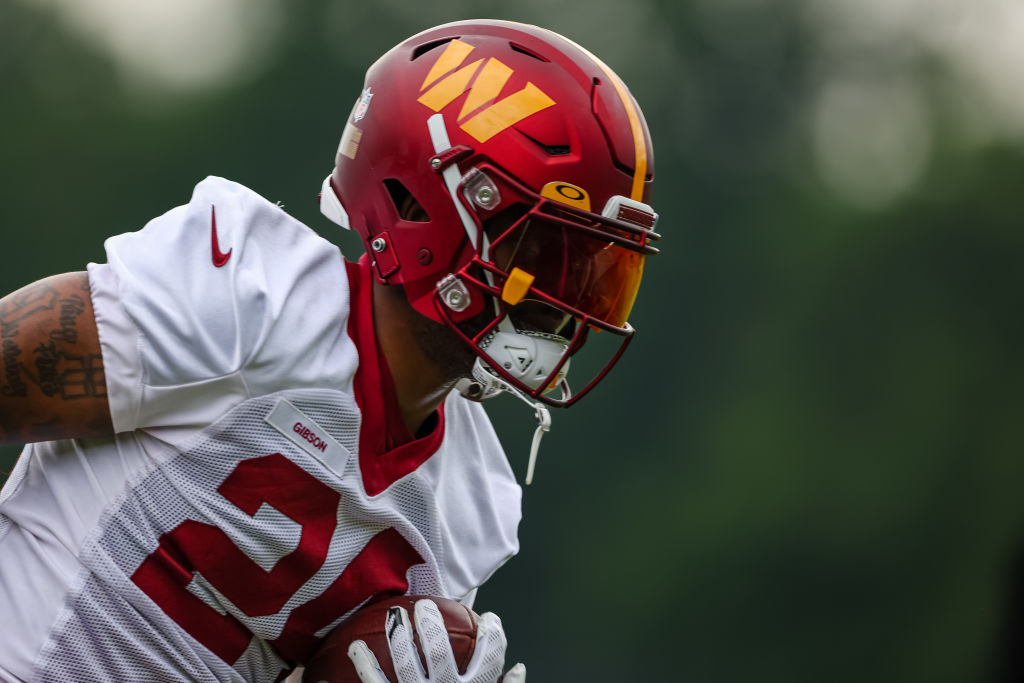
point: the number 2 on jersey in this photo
(379, 568)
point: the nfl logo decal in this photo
(363, 105)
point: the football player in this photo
(237, 438)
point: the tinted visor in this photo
(596, 277)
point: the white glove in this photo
(484, 667)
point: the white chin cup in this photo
(526, 355)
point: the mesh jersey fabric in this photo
(237, 515)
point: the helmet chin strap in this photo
(519, 352)
(485, 384)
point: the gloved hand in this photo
(484, 667)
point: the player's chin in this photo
(445, 348)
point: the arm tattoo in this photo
(53, 367)
(14, 310)
(52, 384)
(69, 376)
(25, 303)
(70, 309)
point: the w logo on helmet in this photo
(484, 84)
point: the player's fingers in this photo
(489, 653)
(437, 647)
(366, 664)
(403, 649)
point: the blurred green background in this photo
(808, 466)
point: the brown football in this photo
(330, 662)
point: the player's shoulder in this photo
(470, 433)
(462, 413)
(229, 225)
(216, 186)
(231, 277)
(238, 207)
(215, 189)
(271, 256)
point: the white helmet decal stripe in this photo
(439, 138)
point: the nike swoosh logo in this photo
(219, 257)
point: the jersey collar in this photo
(387, 451)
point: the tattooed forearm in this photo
(51, 369)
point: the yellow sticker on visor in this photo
(516, 286)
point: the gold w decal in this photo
(484, 79)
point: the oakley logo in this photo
(567, 194)
(484, 79)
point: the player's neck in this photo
(420, 385)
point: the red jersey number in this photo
(191, 547)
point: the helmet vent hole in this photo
(406, 206)
(551, 150)
(528, 52)
(427, 47)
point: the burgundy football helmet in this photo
(501, 174)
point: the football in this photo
(331, 664)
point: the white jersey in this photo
(246, 505)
